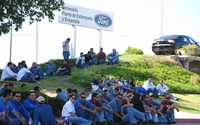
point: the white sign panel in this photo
(86, 18)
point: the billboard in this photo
(84, 17)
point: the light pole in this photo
(36, 41)
(74, 47)
(162, 16)
(11, 35)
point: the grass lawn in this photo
(189, 103)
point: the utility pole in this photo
(11, 35)
(36, 41)
(162, 16)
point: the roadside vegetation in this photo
(189, 103)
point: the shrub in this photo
(195, 79)
(134, 51)
(192, 50)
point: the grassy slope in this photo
(189, 103)
(140, 68)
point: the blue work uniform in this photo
(16, 107)
(43, 114)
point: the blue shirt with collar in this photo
(30, 105)
(2, 105)
(43, 113)
(62, 96)
(14, 106)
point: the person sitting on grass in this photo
(43, 113)
(17, 114)
(101, 57)
(130, 114)
(30, 103)
(116, 105)
(84, 108)
(69, 113)
(4, 100)
(61, 95)
(7, 73)
(37, 72)
(65, 69)
(25, 75)
(162, 88)
(80, 62)
(4, 88)
(92, 57)
(50, 68)
(150, 87)
(15, 68)
(113, 58)
(167, 110)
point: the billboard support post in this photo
(74, 50)
(100, 38)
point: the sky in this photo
(136, 24)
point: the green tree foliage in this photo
(14, 12)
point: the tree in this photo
(14, 12)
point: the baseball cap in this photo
(105, 89)
(40, 99)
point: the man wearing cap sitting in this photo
(43, 113)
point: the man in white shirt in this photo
(80, 62)
(162, 88)
(25, 75)
(66, 52)
(150, 87)
(7, 73)
(69, 113)
(148, 84)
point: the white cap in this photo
(105, 89)
(40, 99)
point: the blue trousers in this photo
(170, 116)
(113, 60)
(100, 117)
(133, 116)
(152, 117)
(77, 120)
(28, 77)
(66, 55)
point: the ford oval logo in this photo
(103, 20)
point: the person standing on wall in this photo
(66, 52)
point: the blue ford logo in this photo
(103, 20)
